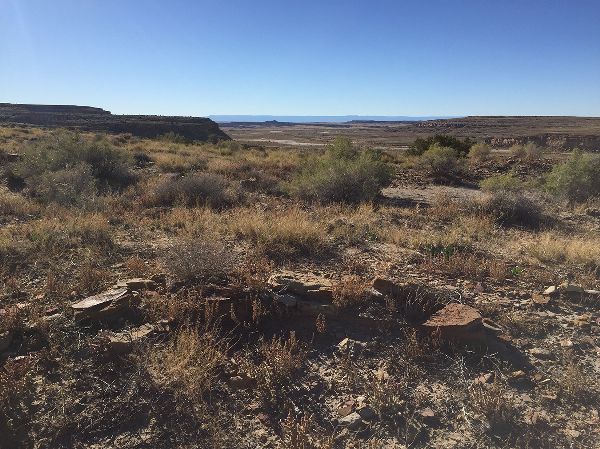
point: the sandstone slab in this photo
(306, 285)
(103, 306)
(124, 342)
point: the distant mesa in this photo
(87, 118)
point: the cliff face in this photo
(88, 118)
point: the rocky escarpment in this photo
(88, 118)
(562, 133)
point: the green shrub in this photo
(505, 182)
(530, 151)
(420, 145)
(64, 150)
(440, 161)
(343, 174)
(69, 187)
(576, 179)
(193, 190)
(480, 152)
(173, 137)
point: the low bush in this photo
(480, 152)
(577, 179)
(440, 162)
(75, 165)
(193, 190)
(142, 159)
(188, 365)
(530, 151)
(173, 137)
(16, 205)
(421, 145)
(203, 259)
(513, 209)
(506, 182)
(68, 187)
(343, 174)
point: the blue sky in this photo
(378, 57)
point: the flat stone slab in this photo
(455, 315)
(137, 284)
(306, 285)
(102, 305)
(123, 342)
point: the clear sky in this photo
(303, 57)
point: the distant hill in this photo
(87, 118)
(318, 118)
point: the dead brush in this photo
(303, 433)
(199, 258)
(183, 309)
(15, 379)
(491, 401)
(471, 266)
(445, 208)
(280, 360)
(11, 319)
(350, 291)
(386, 398)
(576, 386)
(91, 277)
(188, 364)
(253, 273)
(415, 303)
(136, 266)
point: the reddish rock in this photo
(457, 321)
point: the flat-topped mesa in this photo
(86, 118)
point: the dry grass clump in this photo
(15, 205)
(552, 248)
(179, 162)
(55, 234)
(280, 359)
(136, 266)
(522, 325)
(91, 278)
(493, 403)
(471, 266)
(351, 225)
(199, 189)
(462, 233)
(304, 433)
(576, 386)
(513, 209)
(350, 291)
(253, 273)
(281, 234)
(188, 364)
(198, 258)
